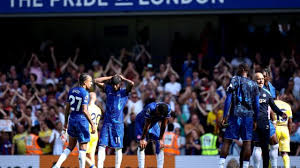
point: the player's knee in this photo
(83, 146)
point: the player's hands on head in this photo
(121, 76)
(143, 143)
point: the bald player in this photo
(265, 129)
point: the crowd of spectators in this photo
(33, 96)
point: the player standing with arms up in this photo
(242, 103)
(78, 122)
(95, 113)
(112, 131)
(283, 130)
(147, 128)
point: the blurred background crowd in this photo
(192, 80)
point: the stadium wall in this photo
(128, 161)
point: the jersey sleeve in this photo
(256, 100)
(123, 92)
(227, 104)
(273, 105)
(107, 89)
(85, 97)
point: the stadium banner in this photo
(127, 161)
(19, 161)
(88, 6)
(6, 125)
(213, 161)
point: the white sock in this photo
(119, 154)
(101, 156)
(81, 157)
(160, 159)
(141, 157)
(245, 164)
(221, 162)
(257, 156)
(63, 157)
(274, 154)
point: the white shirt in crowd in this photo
(173, 88)
(296, 90)
(52, 81)
(61, 117)
(58, 145)
(136, 107)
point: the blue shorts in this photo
(79, 128)
(112, 135)
(239, 127)
(153, 133)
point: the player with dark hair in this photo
(240, 113)
(79, 120)
(267, 74)
(112, 131)
(147, 129)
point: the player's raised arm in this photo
(129, 83)
(100, 81)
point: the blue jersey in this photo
(266, 100)
(115, 103)
(243, 97)
(149, 113)
(77, 97)
(150, 110)
(78, 123)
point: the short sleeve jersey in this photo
(150, 110)
(115, 103)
